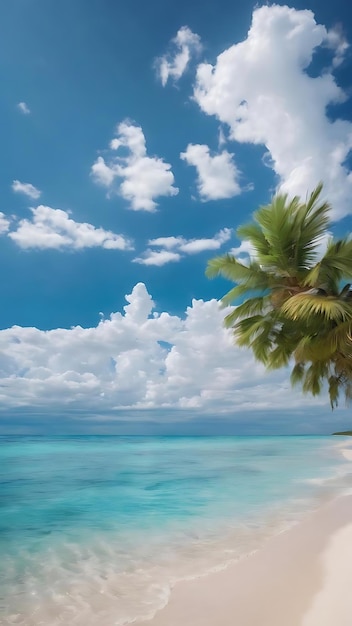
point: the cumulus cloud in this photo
(24, 108)
(157, 257)
(144, 178)
(218, 176)
(173, 65)
(139, 359)
(26, 188)
(173, 247)
(54, 228)
(4, 223)
(262, 90)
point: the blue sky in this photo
(136, 137)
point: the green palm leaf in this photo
(335, 264)
(307, 306)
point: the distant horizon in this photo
(161, 435)
(194, 430)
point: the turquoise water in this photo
(94, 530)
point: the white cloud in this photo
(143, 178)
(166, 242)
(4, 223)
(337, 42)
(24, 108)
(103, 174)
(217, 175)
(26, 188)
(181, 245)
(173, 65)
(192, 246)
(157, 257)
(140, 360)
(53, 228)
(260, 88)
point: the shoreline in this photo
(299, 577)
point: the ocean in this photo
(95, 530)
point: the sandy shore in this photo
(301, 577)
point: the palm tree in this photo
(292, 301)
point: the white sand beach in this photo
(301, 577)
(347, 453)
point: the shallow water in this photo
(95, 530)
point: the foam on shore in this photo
(299, 578)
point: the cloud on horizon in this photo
(141, 360)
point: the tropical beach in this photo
(102, 530)
(176, 319)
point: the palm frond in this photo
(334, 390)
(312, 223)
(312, 348)
(339, 339)
(253, 233)
(314, 377)
(229, 267)
(280, 355)
(235, 293)
(306, 305)
(246, 328)
(297, 374)
(248, 308)
(275, 221)
(335, 264)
